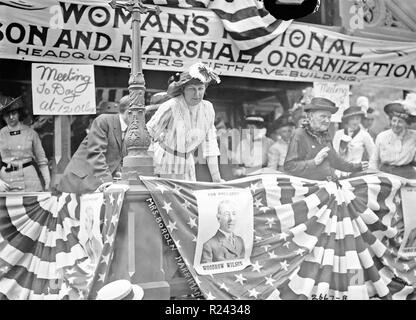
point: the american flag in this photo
(312, 240)
(247, 22)
(40, 253)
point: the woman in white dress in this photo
(352, 141)
(184, 124)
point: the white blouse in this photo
(361, 142)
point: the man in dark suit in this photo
(224, 245)
(99, 156)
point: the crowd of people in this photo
(301, 141)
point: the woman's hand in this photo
(4, 186)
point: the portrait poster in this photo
(408, 246)
(225, 230)
(63, 89)
(89, 230)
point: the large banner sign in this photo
(65, 32)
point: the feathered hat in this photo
(198, 73)
(8, 104)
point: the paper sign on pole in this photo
(63, 89)
(337, 93)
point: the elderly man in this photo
(99, 156)
(224, 245)
(311, 154)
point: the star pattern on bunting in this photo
(270, 281)
(256, 266)
(270, 222)
(254, 187)
(264, 209)
(253, 293)
(172, 226)
(112, 199)
(272, 255)
(240, 278)
(210, 296)
(300, 252)
(283, 236)
(258, 203)
(224, 287)
(192, 222)
(161, 188)
(284, 265)
(167, 207)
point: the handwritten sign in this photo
(63, 89)
(337, 93)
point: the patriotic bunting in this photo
(312, 240)
(40, 254)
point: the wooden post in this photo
(61, 146)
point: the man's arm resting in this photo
(212, 162)
(97, 149)
(338, 163)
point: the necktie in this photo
(232, 240)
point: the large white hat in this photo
(120, 290)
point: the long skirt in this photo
(26, 179)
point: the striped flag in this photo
(312, 240)
(247, 22)
(41, 256)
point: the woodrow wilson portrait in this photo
(224, 245)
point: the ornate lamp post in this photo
(137, 140)
(130, 244)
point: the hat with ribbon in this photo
(352, 111)
(120, 290)
(8, 104)
(254, 119)
(198, 73)
(405, 109)
(319, 103)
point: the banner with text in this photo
(77, 33)
(63, 89)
